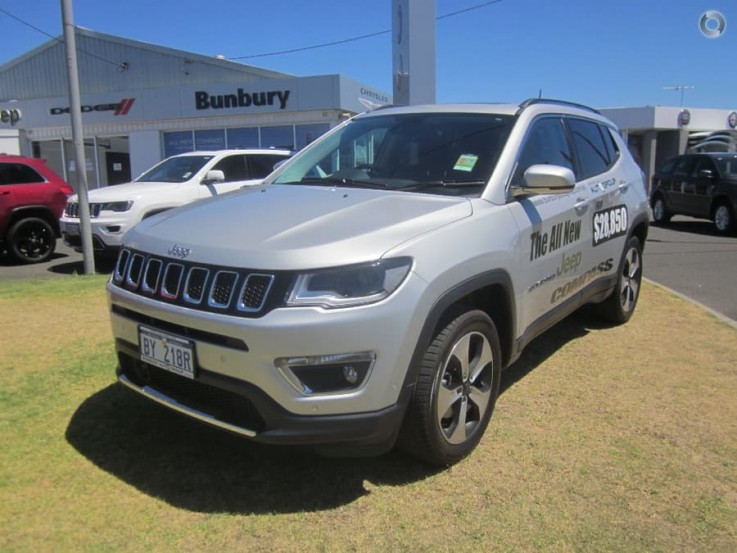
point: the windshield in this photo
(175, 169)
(443, 153)
(727, 166)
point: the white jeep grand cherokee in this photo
(175, 181)
(373, 289)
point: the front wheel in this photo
(31, 240)
(455, 392)
(724, 218)
(620, 305)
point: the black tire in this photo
(455, 392)
(620, 305)
(724, 218)
(31, 240)
(661, 215)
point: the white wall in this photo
(145, 151)
(9, 142)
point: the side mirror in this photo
(214, 175)
(547, 179)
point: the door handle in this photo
(4, 193)
(581, 205)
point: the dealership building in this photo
(142, 103)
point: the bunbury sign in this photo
(241, 99)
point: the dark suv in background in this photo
(699, 185)
(32, 198)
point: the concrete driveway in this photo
(691, 258)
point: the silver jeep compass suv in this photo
(373, 288)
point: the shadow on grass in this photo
(195, 467)
(103, 266)
(576, 325)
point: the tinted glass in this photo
(591, 151)
(175, 169)
(234, 167)
(18, 173)
(727, 165)
(546, 144)
(261, 165)
(443, 153)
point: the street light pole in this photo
(75, 112)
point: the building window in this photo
(243, 138)
(308, 133)
(278, 137)
(178, 142)
(213, 139)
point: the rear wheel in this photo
(661, 215)
(31, 240)
(724, 218)
(620, 305)
(455, 392)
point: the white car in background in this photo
(176, 181)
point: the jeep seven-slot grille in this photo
(198, 286)
(72, 210)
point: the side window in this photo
(701, 164)
(259, 166)
(18, 173)
(668, 166)
(683, 167)
(545, 144)
(610, 143)
(591, 150)
(234, 167)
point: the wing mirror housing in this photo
(214, 175)
(546, 179)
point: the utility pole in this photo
(75, 112)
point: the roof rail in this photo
(532, 101)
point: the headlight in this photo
(350, 285)
(117, 207)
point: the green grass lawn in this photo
(604, 439)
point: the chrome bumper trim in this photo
(166, 401)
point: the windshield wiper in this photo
(328, 181)
(444, 184)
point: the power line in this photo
(123, 65)
(361, 37)
(119, 65)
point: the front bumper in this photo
(107, 234)
(237, 386)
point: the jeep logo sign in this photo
(11, 116)
(121, 108)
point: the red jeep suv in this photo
(32, 198)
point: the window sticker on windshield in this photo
(466, 163)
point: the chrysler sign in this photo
(120, 108)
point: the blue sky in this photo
(605, 54)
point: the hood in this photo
(281, 227)
(130, 191)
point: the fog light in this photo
(326, 374)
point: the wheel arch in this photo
(42, 212)
(491, 292)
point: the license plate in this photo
(167, 352)
(72, 228)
